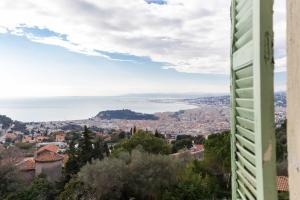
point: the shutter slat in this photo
(246, 174)
(246, 133)
(245, 72)
(248, 194)
(244, 102)
(247, 183)
(240, 3)
(243, 21)
(245, 113)
(241, 195)
(245, 38)
(245, 123)
(245, 82)
(246, 163)
(246, 143)
(245, 92)
(246, 154)
(246, 9)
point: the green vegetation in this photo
(140, 166)
(125, 114)
(5, 121)
(281, 150)
(19, 126)
(281, 156)
(137, 174)
(9, 181)
(147, 141)
(89, 148)
(39, 189)
(186, 142)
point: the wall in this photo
(52, 170)
(293, 96)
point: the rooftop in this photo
(49, 147)
(48, 156)
(282, 183)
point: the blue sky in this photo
(161, 48)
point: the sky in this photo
(116, 47)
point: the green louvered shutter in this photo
(252, 101)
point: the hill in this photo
(125, 114)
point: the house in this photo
(10, 137)
(41, 138)
(60, 137)
(49, 163)
(49, 147)
(46, 160)
(28, 139)
(27, 169)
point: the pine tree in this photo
(86, 147)
(106, 149)
(73, 164)
(156, 133)
(98, 149)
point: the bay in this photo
(73, 108)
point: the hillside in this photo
(125, 114)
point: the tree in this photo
(106, 149)
(199, 139)
(89, 148)
(5, 121)
(147, 141)
(181, 137)
(106, 177)
(98, 149)
(73, 164)
(217, 160)
(138, 175)
(158, 135)
(281, 150)
(150, 175)
(76, 190)
(40, 189)
(86, 147)
(10, 182)
(122, 135)
(217, 153)
(181, 144)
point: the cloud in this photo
(187, 35)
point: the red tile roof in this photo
(282, 183)
(27, 165)
(48, 156)
(49, 147)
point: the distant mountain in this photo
(125, 114)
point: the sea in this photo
(76, 108)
